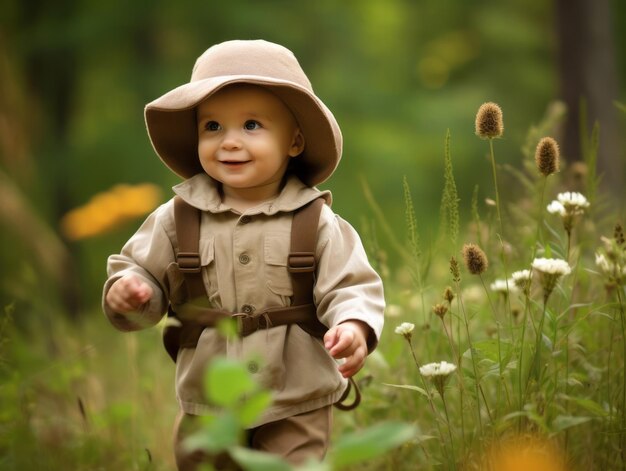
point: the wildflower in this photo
(448, 295)
(573, 202)
(454, 270)
(438, 373)
(440, 310)
(489, 121)
(522, 279)
(503, 286)
(611, 259)
(568, 205)
(556, 208)
(475, 259)
(550, 270)
(405, 329)
(109, 209)
(547, 156)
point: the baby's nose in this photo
(232, 140)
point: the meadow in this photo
(505, 340)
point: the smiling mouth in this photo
(234, 163)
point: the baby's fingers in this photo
(353, 363)
(343, 344)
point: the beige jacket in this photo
(244, 260)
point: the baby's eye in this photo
(212, 126)
(251, 125)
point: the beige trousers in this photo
(295, 439)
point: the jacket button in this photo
(247, 309)
(244, 259)
(253, 367)
(245, 219)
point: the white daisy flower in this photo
(573, 201)
(437, 369)
(438, 373)
(521, 275)
(556, 208)
(405, 329)
(500, 286)
(521, 279)
(550, 270)
(552, 266)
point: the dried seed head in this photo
(475, 259)
(448, 295)
(440, 310)
(618, 234)
(454, 269)
(489, 121)
(547, 156)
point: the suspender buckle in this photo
(301, 262)
(188, 262)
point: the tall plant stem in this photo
(445, 408)
(521, 390)
(536, 363)
(569, 243)
(429, 395)
(495, 318)
(457, 356)
(540, 219)
(501, 234)
(471, 349)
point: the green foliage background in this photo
(397, 74)
(74, 78)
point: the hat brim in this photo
(171, 123)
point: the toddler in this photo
(251, 140)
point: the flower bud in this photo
(475, 259)
(489, 121)
(547, 156)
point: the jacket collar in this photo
(202, 192)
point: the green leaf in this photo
(562, 422)
(226, 381)
(253, 460)
(587, 404)
(487, 349)
(252, 407)
(408, 386)
(217, 434)
(370, 443)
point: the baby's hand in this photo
(128, 294)
(348, 340)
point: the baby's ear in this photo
(297, 143)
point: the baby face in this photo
(246, 136)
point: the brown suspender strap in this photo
(187, 220)
(300, 264)
(301, 261)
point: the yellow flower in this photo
(106, 210)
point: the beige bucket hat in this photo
(171, 119)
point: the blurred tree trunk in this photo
(588, 73)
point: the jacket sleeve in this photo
(147, 254)
(347, 287)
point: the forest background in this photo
(75, 76)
